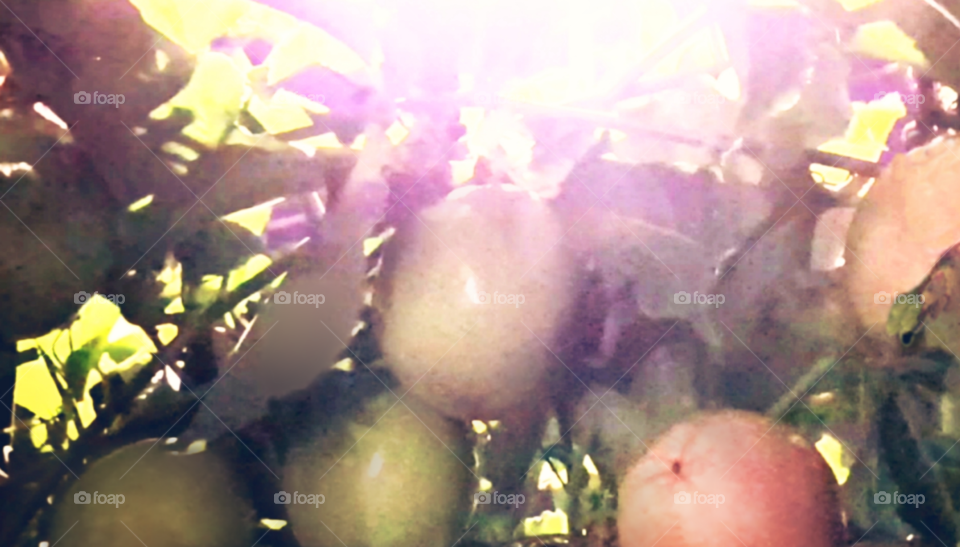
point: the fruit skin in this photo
(170, 501)
(777, 489)
(901, 228)
(474, 360)
(395, 475)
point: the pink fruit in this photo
(728, 479)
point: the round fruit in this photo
(143, 494)
(395, 475)
(475, 290)
(728, 479)
(906, 221)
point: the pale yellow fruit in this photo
(905, 222)
(168, 501)
(396, 475)
(474, 292)
(775, 488)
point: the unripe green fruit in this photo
(168, 501)
(475, 290)
(775, 488)
(394, 476)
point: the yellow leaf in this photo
(463, 170)
(311, 46)
(36, 391)
(85, 408)
(96, 319)
(209, 289)
(27, 344)
(870, 127)
(248, 271)
(548, 479)
(549, 523)
(833, 178)
(273, 524)
(254, 219)
(278, 117)
(396, 133)
(885, 40)
(192, 25)
(832, 451)
(166, 333)
(214, 94)
(38, 434)
(197, 446)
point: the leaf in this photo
(192, 25)
(214, 94)
(869, 129)
(253, 266)
(885, 40)
(832, 451)
(127, 348)
(549, 523)
(278, 116)
(36, 391)
(77, 369)
(311, 46)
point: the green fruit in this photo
(396, 475)
(475, 289)
(167, 501)
(746, 481)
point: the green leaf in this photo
(904, 318)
